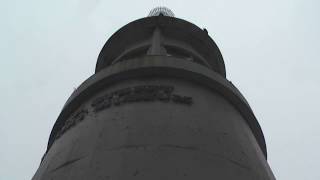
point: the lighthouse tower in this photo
(158, 107)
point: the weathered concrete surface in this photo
(208, 139)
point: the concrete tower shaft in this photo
(159, 106)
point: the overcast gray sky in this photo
(270, 48)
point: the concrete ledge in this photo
(161, 66)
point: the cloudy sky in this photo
(271, 51)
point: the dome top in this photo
(161, 10)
